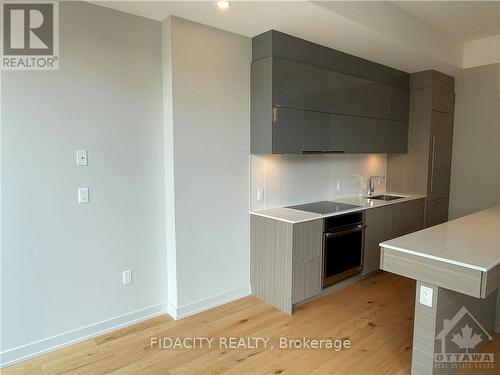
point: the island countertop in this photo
(471, 241)
(456, 266)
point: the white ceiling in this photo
(412, 36)
(462, 20)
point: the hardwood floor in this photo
(375, 314)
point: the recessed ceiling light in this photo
(223, 4)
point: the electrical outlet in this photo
(83, 195)
(127, 277)
(426, 295)
(81, 158)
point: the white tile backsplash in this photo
(294, 179)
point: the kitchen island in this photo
(457, 268)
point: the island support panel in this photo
(429, 322)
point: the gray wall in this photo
(209, 122)
(475, 172)
(62, 262)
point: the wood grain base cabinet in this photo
(285, 261)
(386, 222)
(436, 212)
(378, 229)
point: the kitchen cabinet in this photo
(286, 261)
(296, 131)
(307, 241)
(306, 279)
(309, 98)
(436, 212)
(387, 222)
(308, 87)
(407, 217)
(441, 138)
(426, 167)
(378, 229)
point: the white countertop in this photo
(292, 216)
(471, 241)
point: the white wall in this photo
(208, 116)
(62, 262)
(475, 171)
(295, 179)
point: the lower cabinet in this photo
(306, 276)
(378, 223)
(386, 222)
(436, 212)
(307, 251)
(407, 217)
(286, 261)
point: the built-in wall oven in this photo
(343, 239)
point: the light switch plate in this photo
(127, 277)
(426, 295)
(81, 158)
(260, 194)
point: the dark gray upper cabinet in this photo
(295, 131)
(303, 86)
(309, 98)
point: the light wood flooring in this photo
(375, 314)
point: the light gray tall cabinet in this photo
(426, 167)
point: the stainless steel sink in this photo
(385, 197)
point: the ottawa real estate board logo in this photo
(30, 35)
(457, 341)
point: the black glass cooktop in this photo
(324, 207)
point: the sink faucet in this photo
(370, 187)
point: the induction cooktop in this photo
(324, 207)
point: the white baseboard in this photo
(34, 349)
(181, 312)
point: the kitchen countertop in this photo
(472, 241)
(292, 216)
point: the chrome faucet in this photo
(370, 187)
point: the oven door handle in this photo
(357, 228)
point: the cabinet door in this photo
(407, 217)
(436, 212)
(306, 279)
(298, 131)
(443, 101)
(287, 131)
(308, 87)
(307, 240)
(378, 229)
(440, 155)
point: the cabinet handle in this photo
(305, 152)
(433, 160)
